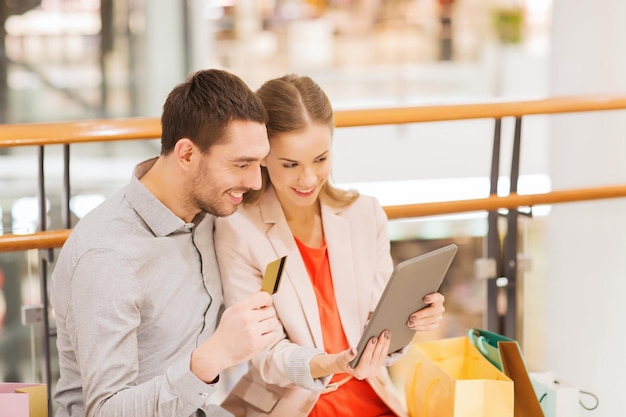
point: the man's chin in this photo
(225, 211)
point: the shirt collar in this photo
(160, 219)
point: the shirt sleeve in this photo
(102, 319)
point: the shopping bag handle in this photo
(592, 395)
(411, 400)
(480, 341)
(430, 387)
(480, 344)
(410, 397)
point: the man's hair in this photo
(201, 108)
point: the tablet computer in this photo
(409, 283)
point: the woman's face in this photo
(299, 164)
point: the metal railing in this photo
(502, 251)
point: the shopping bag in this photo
(23, 400)
(451, 378)
(487, 344)
(559, 398)
(526, 402)
(507, 356)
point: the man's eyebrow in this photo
(245, 159)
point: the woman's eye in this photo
(322, 159)
(291, 165)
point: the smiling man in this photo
(136, 288)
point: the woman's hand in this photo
(430, 317)
(372, 359)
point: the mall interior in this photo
(71, 60)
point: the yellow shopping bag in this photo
(451, 378)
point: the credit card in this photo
(272, 275)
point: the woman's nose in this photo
(308, 177)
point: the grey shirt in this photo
(135, 289)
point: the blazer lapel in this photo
(337, 232)
(280, 237)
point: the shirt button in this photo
(204, 394)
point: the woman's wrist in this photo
(322, 365)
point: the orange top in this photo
(354, 398)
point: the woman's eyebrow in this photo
(287, 160)
(292, 160)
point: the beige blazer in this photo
(360, 261)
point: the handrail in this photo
(134, 128)
(41, 134)
(103, 130)
(55, 238)
(495, 109)
(99, 130)
(48, 239)
(494, 202)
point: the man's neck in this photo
(167, 186)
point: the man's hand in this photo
(244, 330)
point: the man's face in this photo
(229, 169)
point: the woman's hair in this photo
(293, 103)
(202, 107)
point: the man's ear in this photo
(184, 150)
(263, 163)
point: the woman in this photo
(338, 262)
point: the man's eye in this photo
(246, 165)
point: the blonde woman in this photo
(338, 263)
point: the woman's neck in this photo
(306, 224)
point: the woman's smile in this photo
(304, 192)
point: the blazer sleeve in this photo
(238, 271)
(241, 249)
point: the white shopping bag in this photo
(557, 397)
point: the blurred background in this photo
(68, 60)
(85, 59)
(71, 59)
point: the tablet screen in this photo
(409, 283)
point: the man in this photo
(136, 288)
